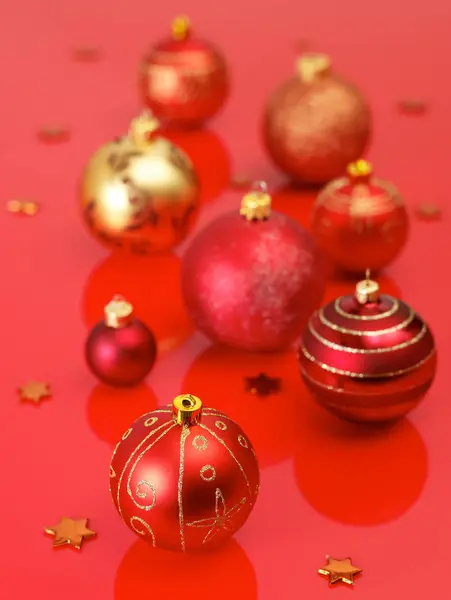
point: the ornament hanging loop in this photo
(180, 28)
(142, 128)
(312, 65)
(256, 204)
(118, 313)
(187, 409)
(360, 171)
(367, 291)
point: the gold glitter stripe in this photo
(335, 371)
(388, 313)
(349, 350)
(183, 437)
(130, 458)
(325, 321)
(221, 441)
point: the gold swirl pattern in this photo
(211, 473)
(325, 321)
(141, 494)
(348, 349)
(146, 531)
(335, 371)
(220, 425)
(150, 421)
(388, 313)
(200, 442)
(243, 441)
(183, 437)
(112, 472)
(339, 202)
(126, 434)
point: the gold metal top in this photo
(367, 291)
(359, 171)
(312, 65)
(187, 409)
(256, 204)
(118, 313)
(142, 127)
(180, 28)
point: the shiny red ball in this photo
(316, 123)
(360, 221)
(184, 487)
(123, 356)
(252, 284)
(368, 362)
(184, 81)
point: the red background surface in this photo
(382, 499)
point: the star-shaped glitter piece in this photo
(222, 517)
(339, 569)
(262, 385)
(70, 532)
(34, 391)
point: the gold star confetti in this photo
(339, 570)
(34, 391)
(413, 106)
(428, 212)
(54, 134)
(86, 54)
(70, 532)
(23, 207)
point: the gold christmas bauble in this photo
(140, 192)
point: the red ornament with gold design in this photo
(360, 221)
(368, 357)
(184, 477)
(316, 122)
(184, 80)
(121, 349)
(252, 278)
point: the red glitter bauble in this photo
(120, 350)
(184, 81)
(184, 477)
(359, 221)
(316, 123)
(252, 278)
(367, 357)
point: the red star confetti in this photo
(412, 106)
(86, 54)
(428, 212)
(339, 569)
(70, 532)
(262, 385)
(54, 134)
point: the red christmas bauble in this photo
(252, 278)
(367, 357)
(120, 350)
(359, 221)
(185, 477)
(184, 81)
(316, 123)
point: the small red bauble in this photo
(359, 221)
(184, 81)
(316, 123)
(252, 278)
(367, 357)
(184, 477)
(120, 350)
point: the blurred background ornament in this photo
(184, 477)
(359, 221)
(184, 80)
(140, 192)
(367, 357)
(252, 277)
(120, 350)
(316, 123)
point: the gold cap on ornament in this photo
(142, 127)
(367, 290)
(180, 28)
(256, 204)
(187, 409)
(118, 313)
(312, 65)
(359, 171)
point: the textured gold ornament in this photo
(140, 192)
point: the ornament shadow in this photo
(111, 410)
(151, 284)
(218, 376)
(221, 574)
(358, 474)
(209, 156)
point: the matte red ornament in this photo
(120, 350)
(184, 477)
(368, 357)
(252, 278)
(184, 80)
(316, 122)
(359, 221)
